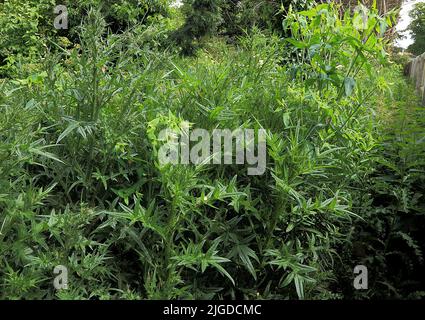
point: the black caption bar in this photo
(187, 310)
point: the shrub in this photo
(26, 27)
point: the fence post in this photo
(416, 72)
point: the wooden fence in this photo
(416, 71)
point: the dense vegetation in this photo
(81, 184)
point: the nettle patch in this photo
(270, 168)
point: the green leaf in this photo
(296, 43)
(299, 286)
(71, 127)
(223, 271)
(290, 227)
(40, 152)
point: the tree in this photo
(230, 18)
(417, 27)
(202, 19)
(239, 15)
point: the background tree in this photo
(417, 26)
(25, 24)
(231, 18)
(202, 18)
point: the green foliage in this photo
(119, 15)
(27, 30)
(202, 18)
(230, 18)
(336, 58)
(268, 14)
(417, 28)
(81, 184)
(389, 240)
(22, 26)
